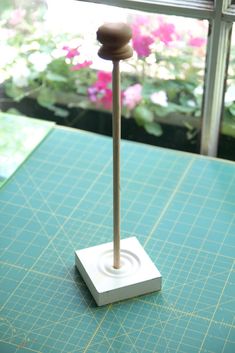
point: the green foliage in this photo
(16, 93)
(167, 84)
(143, 115)
(5, 5)
(153, 129)
(46, 97)
(231, 110)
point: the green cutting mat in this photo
(181, 208)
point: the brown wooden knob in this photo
(114, 38)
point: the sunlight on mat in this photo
(19, 136)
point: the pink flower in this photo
(132, 96)
(101, 97)
(100, 92)
(71, 52)
(17, 16)
(103, 79)
(196, 42)
(80, 66)
(165, 32)
(141, 36)
(106, 100)
(141, 44)
(92, 94)
(141, 21)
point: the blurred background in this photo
(49, 69)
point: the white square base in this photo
(137, 275)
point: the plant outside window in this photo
(161, 84)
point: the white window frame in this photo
(221, 15)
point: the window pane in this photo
(227, 137)
(53, 61)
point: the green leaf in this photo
(148, 89)
(232, 109)
(46, 97)
(143, 115)
(5, 5)
(51, 76)
(59, 66)
(16, 93)
(84, 104)
(63, 113)
(184, 109)
(82, 90)
(13, 111)
(153, 129)
(162, 111)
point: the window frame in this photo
(189, 8)
(221, 15)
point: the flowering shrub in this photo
(35, 62)
(164, 78)
(164, 81)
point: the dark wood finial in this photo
(114, 38)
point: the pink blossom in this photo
(141, 21)
(106, 100)
(71, 52)
(103, 79)
(100, 92)
(196, 42)
(80, 66)
(17, 16)
(132, 96)
(141, 36)
(100, 97)
(141, 42)
(165, 32)
(93, 93)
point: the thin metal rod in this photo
(116, 163)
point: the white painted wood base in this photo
(137, 275)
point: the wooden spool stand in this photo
(120, 269)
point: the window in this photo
(227, 131)
(221, 15)
(177, 76)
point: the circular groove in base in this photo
(130, 264)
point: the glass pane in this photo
(227, 137)
(50, 69)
